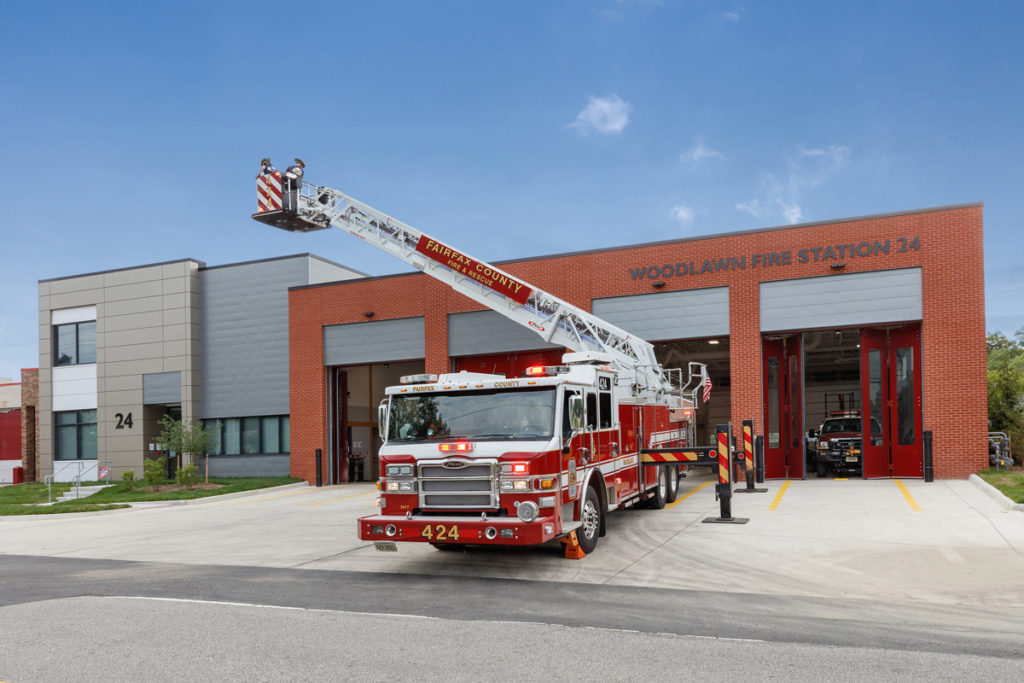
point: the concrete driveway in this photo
(944, 542)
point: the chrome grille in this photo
(469, 484)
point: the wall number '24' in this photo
(123, 421)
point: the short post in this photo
(319, 467)
(723, 491)
(929, 475)
(759, 457)
(748, 458)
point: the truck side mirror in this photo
(811, 433)
(382, 420)
(576, 412)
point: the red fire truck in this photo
(470, 458)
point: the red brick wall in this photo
(30, 423)
(953, 331)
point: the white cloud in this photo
(699, 153)
(731, 17)
(684, 215)
(807, 168)
(604, 115)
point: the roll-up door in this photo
(161, 387)
(485, 332)
(884, 296)
(688, 314)
(374, 342)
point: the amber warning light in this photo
(459, 447)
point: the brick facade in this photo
(949, 254)
(30, 423)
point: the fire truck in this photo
(470, 458)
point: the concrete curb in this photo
(995, 494)
(241, 494)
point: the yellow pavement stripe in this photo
(334, 500)
(906, 494)
(680, 500)
(841, 479)
(779, 495)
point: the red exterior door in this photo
(783, 408)
(905, 399)
(795, 444)
(874, 380)
(891, 388)
(772, 371)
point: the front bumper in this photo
(473, 530)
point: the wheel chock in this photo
(573, 551)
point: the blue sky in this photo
(132, 132)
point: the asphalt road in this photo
(276, 585)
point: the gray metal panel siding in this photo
(374, 342)
(882, 296)
(480, 332)
(161, 387)
(244, 354)
(689, 314)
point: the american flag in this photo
(706, 383)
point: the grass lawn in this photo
(1010, 482)
(25, 499)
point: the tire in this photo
(673, 485)
(658, 500)
(591, 516)
(822, 470)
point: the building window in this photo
(74, 343)
(250, 435)
(75, 435)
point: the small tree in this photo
(186, 437)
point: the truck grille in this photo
(469, 484)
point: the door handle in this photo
(585, 454)
(615, 447)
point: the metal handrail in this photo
(77, 481)
(48, 480)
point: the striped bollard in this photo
(748, 458)
(723, 491)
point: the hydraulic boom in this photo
(555, 321)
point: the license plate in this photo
(852, 458)
(386, 546)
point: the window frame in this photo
(79, 432)
(223, 424)
(76, 360)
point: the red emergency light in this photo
(458, 447)
(545, 370)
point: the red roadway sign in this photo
(481, 272)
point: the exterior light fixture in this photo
(368, 314)
(657, 285)
(837, 266)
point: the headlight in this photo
(527, 511)
(509, 485)
(399, 470)
(401, 486)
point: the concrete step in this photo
(83, 492)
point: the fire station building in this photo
(880, 316)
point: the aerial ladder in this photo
(640, 376)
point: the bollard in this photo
(929, 475)
(723, 490)
(748, 458)
(319, 466)
(759, 457)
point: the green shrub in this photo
(188, 475)
(154, 471)
(128, 477)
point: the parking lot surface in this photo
(944, 542)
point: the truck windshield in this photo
(524, 414)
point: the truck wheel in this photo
(822, 471)
(657, 501)
(673, 485)
(590, 515)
